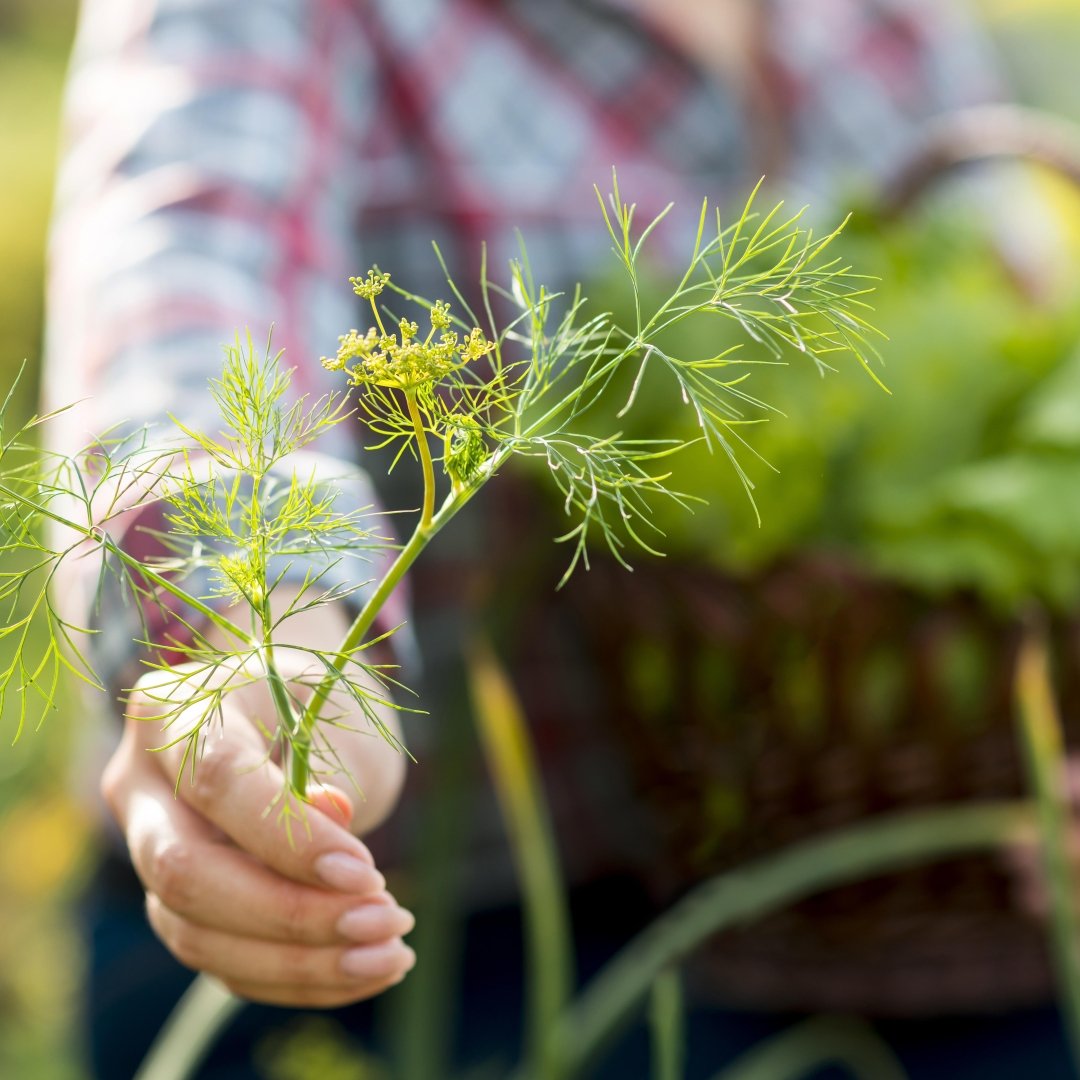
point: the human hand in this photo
(306, 922)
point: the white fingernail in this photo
(364, 922)
(349, 873)
(377, 961)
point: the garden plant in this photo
(462, 395)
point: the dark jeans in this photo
(133, 984)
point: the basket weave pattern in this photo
(762, 711)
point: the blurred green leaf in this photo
(961, 477)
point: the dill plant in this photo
(460, 398)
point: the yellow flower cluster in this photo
(400, 361)
(371, 286)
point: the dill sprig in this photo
(462, 399)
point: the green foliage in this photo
(668, 1026)
(802, 1049)
(511, 758)
(883, 843)
(236, 527)
(547, 394)
(954, 480)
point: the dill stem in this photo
(378, 316)
(279, 692)
(162, 582)
(299, 768)
(189, 1033)
(425, 460)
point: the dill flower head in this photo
(403, 361)
(371, 286)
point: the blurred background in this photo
(45, 850)
(44, 846)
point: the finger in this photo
(375, 921)
(331, 801)
(178, 857)
(234, 786)
(218, 886)
(240, 959)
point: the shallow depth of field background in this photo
(44, 844)
(45, 847)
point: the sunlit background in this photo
(45, 848)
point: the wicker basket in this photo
(751, 713)
(779, 707)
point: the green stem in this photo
(504, 737)
(354, 638)
(215, 617)
(378, 315)
(807, 1046)
(879, 846)
(279, 692)
(190, 1031)
(1043, 746)
(667, 1023)
(425, 460)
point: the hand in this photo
(304, 923)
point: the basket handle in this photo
(981, 133)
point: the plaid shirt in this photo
(230, 163)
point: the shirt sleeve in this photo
(207, 187)
(858, 80)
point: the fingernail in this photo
(349, 873)
(362, 923)
(340, 806)
(377, 961)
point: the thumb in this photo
(331, 801)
